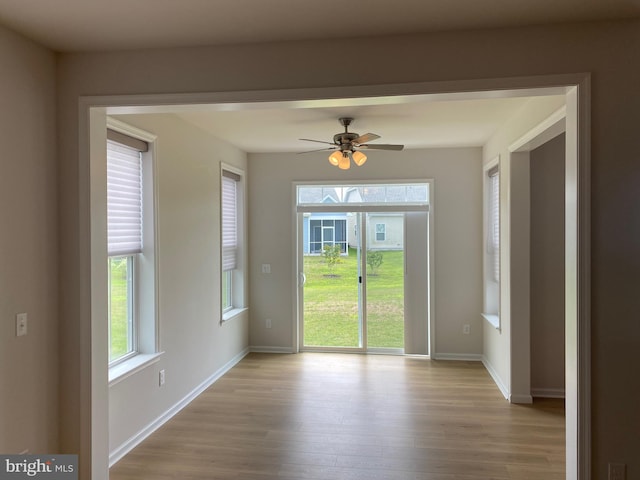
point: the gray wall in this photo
(547, 267)
(194, 343)
(457, 214)
(506, 350)
(28, 247)
(608, 50)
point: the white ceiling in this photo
(98, 25)
(92, 25)
(418, 123)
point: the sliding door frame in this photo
(298, 340)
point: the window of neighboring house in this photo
(124, 232)
(327, 232)
(232, 241)
(381, 232)
(491, 310)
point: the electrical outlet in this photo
(161, 378)
(266, 268)
(21, 324)
(268, 323)
(466, 329)
(617, 471)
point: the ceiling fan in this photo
(347, 146)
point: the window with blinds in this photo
(124, 240)
(232, 242)
(229, 220)
(493, 241)
(124, 199)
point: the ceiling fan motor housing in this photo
(345, 140)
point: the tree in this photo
(374, 260)
(331, 254)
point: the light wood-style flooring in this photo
(353, 417)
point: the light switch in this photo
(21, 324)
(266, 268)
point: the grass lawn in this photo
(331, 302)
(119, 306)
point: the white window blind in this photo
(229, 220)
(124, 199)
(494, 222)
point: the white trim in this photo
(359, 207)
(431, 268)
(496, 378)
(549, 128)
(469, 89)
(117, 453)
(261, 349)
(125, 369)
(547, 392)
(461, 357)
(130, 130)
(521, 399)
(581, 94)
(231, 314)
(493, 319)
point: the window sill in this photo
(231, 314)
(493, 319)
(127, 368)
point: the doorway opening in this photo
(577, 366)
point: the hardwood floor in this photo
(353, 417)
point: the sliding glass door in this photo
(354, 289)
(356, 292)
(384, 266)
(332, 288)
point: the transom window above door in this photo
(416, 194)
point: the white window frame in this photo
(237, 277)
(144, 276)
(383, 232)
(491, 244)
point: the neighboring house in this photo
(385, 231)
(321, 229)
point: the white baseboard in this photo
(521, 398)
(548, 392)
(117, 453)
(259, 349)
(463, 357)
(496, 378)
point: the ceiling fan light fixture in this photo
(344, 163)
(334, 158)
(346, 146)
(359, 158)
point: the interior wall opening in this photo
(95, 119)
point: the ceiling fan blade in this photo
(367, 137)
(327, 149)
(317, 141)
(381, 146)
